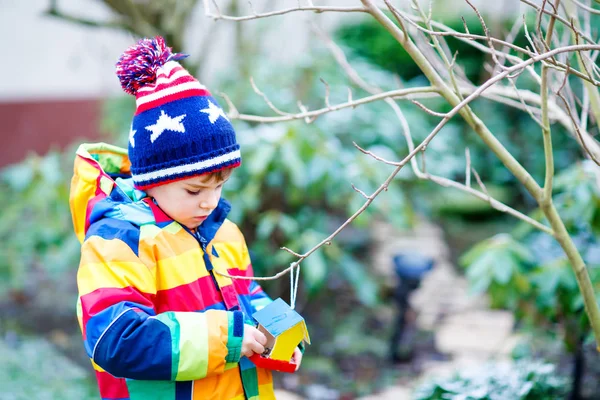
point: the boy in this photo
(158, 320)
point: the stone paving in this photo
(465, 328)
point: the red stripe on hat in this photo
(175, 96)
(162, 74)
(166, 85)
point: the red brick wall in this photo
(38, 126)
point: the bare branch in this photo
(53, 11)
(487, 35)
(483, 188)
(493, 202)
(561, 19)
(427, 110)
(341, 59)
(303, 108)
(292, 252)
(465, 25)
(360, 191)
(546, 132)
(266, 99)
(233, 111)
(375, 156)
(575, 124)
(316, 9)
(392, 94)
(468, 169)
(447, 31)
(526, 107)
(326, 92)
(586, 8)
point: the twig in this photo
(266, 99)
(468, 169)
(291, 252)
(427, 110)
(303, 108)
(53, 11)
(482, 186)
(493, 202)
(575, 124)
(233, 111)
(487, 35)
(360, 191)
(392, 94)
(559, 18)
(318, 9)
(436, 43)
(525, 105)
(423, 161)
(375, 156)
(326, 92)
(546, 132)
(341, 59)
(586, 8)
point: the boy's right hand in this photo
(254, 341)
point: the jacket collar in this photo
(209, 227)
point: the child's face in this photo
(189, 201)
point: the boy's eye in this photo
(193, 193)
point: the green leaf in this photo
(504, 266)
(362, 282)
(314, 271)
(266, 224)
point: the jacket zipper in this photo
(203, 245)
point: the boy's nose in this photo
(210, 202)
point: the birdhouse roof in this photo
(278, 317)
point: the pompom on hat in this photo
(178, 129)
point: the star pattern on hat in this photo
(165, 123)
(131, 136)
(214, 112)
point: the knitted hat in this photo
(178, 129)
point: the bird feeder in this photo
(285, 329)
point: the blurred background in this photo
(426, 283)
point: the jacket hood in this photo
(102, 187)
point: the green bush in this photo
(527, 271)
(523, 380)
(36, 231)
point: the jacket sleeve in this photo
(121, 330)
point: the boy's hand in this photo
(297, 358)
(254, 341)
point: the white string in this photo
(294, 285)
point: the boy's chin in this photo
(193, 224)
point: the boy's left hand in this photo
(297, 358)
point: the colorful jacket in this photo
(158, 323)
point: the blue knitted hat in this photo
(178, 129)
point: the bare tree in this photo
(424, 40)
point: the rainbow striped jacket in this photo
(157, 322)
